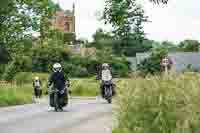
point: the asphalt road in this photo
(81, 116)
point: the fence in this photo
(6, 83)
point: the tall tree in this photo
(189, 45)
(20, 17)
(127, 18)
(102, 39)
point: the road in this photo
(81, 116)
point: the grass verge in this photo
(13, 95)
(23, 94)
(159, 105)
(85, 87)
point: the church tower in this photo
(73, 19)
(65, 20)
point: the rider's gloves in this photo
(62, 91)
(70, 92)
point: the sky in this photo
(175, 22)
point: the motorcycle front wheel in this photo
(109, 100)
(56, 106)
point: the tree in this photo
(189, 46)
(4, 55)
(152, 65)
(69, 38)
(102, 39)
(4, 3)
(19, 18)
(170, 46)
(127, 18)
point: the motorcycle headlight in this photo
(107, 82)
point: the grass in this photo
(13, 95)
(84, 87)
(158, 105)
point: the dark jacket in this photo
(58, 80)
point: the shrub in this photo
(44, 57)
(10, 71)
(120, 69)
(152, 64)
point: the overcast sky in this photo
(178, 20)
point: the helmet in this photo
(36, 78)
(57, 67)
(105, 66)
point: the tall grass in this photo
(85, 87)
(159, 105)
(13, 95)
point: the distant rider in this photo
(37, 84)
(106, 75)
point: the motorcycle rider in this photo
(106, 75)
(37, 85)
(58, 80)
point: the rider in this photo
(58, 80)
(106, 75)
(37, 84)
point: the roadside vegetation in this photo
(15, 95)
(159, 105)
(85, 87)
(22, 92)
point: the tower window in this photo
(67, 27)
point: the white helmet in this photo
(105, 65)
(57, 67)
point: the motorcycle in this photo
(108, 93)
(58, 99)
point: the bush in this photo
(159, 105)
(44, 57)
(86, 67)
(2, 69)
(120, 69)
(152, 64)
(10, 71)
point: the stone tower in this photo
(65, 20)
